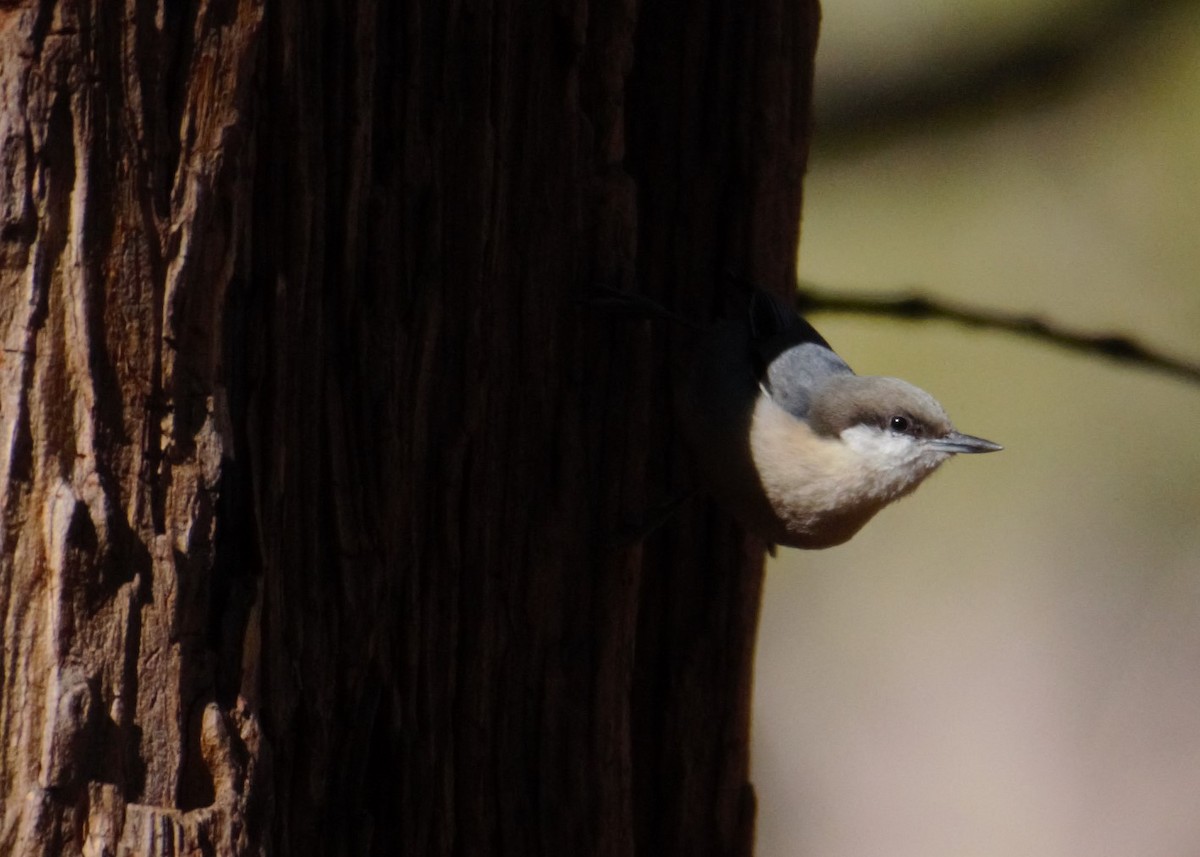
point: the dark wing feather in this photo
(794, 359)
(771, 317)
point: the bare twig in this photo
(914, 306)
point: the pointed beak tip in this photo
(959, 443)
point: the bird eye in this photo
(898, 424)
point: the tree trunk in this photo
(313, 454)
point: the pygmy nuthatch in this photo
(794, 444)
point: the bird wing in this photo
(794, 359)
(771, 317)
(796, 372)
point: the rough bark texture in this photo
(312, 453)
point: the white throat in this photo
(890, 463)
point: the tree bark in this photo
(313, 454)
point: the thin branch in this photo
(917, 307)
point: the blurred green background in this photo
(1008, 662)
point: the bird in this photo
(786, 437)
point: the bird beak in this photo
(956, 441)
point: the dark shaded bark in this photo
(314, 452)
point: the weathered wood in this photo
(123, 152)
(312, 452)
